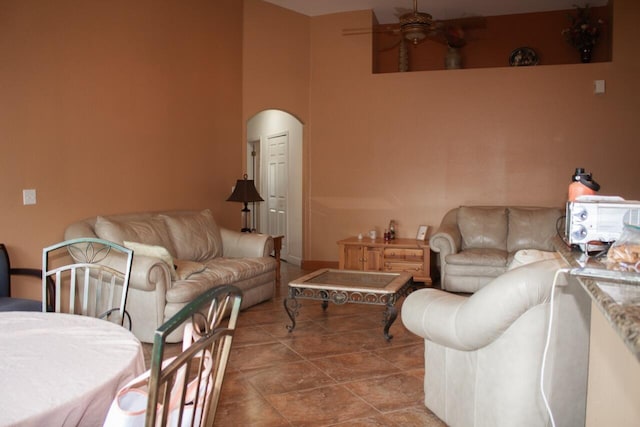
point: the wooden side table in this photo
(410, 255)
(277, 247)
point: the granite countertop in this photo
(617, 296)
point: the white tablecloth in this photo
(61, 369)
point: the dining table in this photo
(62, 369)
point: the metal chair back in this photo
(91, 277)
(186, 390)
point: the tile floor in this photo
(334, 369)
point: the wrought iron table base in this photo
(292, 305)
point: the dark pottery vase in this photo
(585, 54)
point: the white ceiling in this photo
(386, 12)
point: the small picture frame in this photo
(422, 233)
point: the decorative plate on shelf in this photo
(523, 56)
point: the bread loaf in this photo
(626, 253)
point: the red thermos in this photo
(582, 184)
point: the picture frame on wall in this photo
(422, 233)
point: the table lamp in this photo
(245, 192)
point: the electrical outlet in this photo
(29, 197)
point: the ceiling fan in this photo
(415, 27)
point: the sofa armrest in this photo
(245, 245)
(148, 272)
(80, 229)
(472, 322)
(446, 240)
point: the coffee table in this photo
(349, 286)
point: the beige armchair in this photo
(484, 352)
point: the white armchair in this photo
(484, 352)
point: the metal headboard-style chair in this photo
(187, 388)
(94, 275)
(9, 303)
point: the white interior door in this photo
(281, 188)
(277, 166)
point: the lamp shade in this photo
(245, 191)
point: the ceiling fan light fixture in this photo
(414, 26)
(414, 34)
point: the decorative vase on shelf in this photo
(452, 59)
(585, 54)
(583, 32)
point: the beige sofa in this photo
(177, 256)
(478, 243)
(484, 351)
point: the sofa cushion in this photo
(481, 257)
(219, 271)
(185, 269)
(195, 235)
(482, 227)
(242, 268)
(155, 252)
(151, 231)
(532, 228)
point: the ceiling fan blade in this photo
(382, 28)
(356, 31)
(452, 31)
(438, 37)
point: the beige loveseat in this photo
(484, 352)
(478, 243)
(177, 256)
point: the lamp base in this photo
(246, 212)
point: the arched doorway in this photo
(274, 161)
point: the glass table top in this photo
(353, 280)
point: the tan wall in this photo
(151, 90)
(116, 106)
(410, 146)
(276, 52)
(277, 74)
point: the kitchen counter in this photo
(617, 295)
